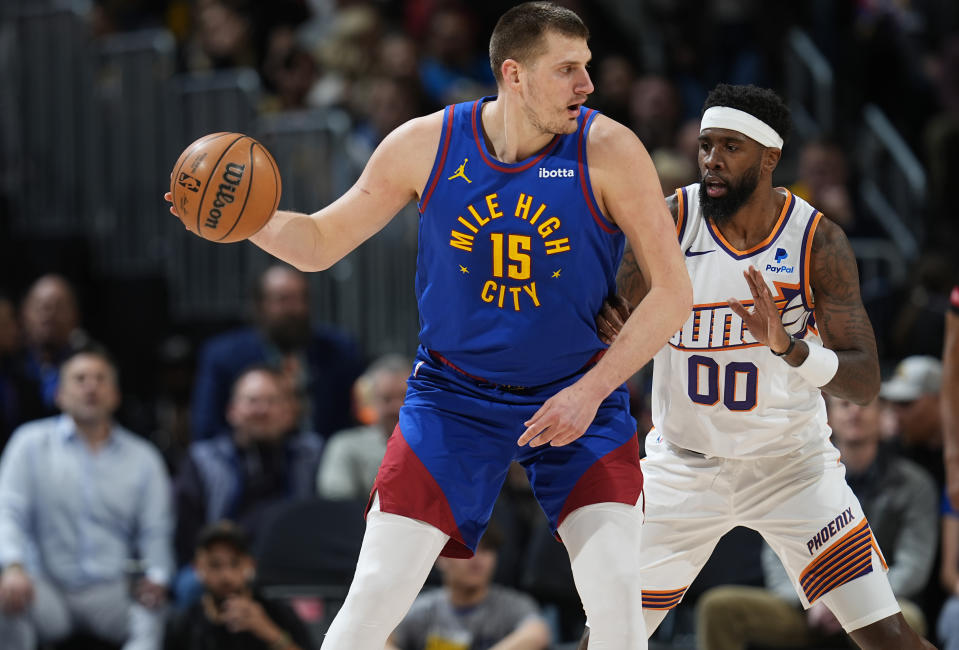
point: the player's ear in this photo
(510, 71)
(771, 158)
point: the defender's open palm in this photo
(763, 320)
(562, 419)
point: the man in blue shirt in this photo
(323, 363)
(80, 499)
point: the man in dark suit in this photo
(323, 363)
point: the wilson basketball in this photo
(225, 187)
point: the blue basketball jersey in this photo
(514, 260)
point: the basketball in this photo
(225, 187)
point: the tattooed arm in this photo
(631, 288)
(630, 282)
(841, 318)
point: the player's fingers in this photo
(738, 308)
(564, 439)
(168, 197)
(622, 306)
(533, 434)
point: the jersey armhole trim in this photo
(440, 161)
(587, 187)
(681, 220)
(805, 261)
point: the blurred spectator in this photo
(289, 71)
(382, 104)
(240, 474)
(471, 612)
(177, 364)
(654, 110)
(51, 330)
(231, 614)
(81, 498)
(899, 500)
(352, 457)
(398, 57)
(824, 182)
(916, 314)
(347, 54)
(453, 68)
(674, 170)
(19, 394)
(223, 36)
(687, 142)
(322, 362)
(941, 139)
(913, 392)
(614, 81)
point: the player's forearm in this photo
(857, 378)
(294, 238)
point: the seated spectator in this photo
(469, 612)
(231, 614)
(352, 457)
(323, 363)
(913, 392)
(239, 474)
(899, 500)
(80, 499)
(453, 69)
(19, 395)
(51, 330)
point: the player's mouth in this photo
(715, 186)
(573, 109)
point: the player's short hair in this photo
(519, 32)
(761, 103)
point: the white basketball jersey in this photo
(715, 389)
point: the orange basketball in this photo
(225, 187)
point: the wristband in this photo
(820, 366)
(789, 348)
(954, 300)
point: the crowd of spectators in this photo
(113, 534)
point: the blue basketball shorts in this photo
(448, 457)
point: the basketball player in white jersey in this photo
(740, 434)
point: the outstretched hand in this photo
(763, 320)
(563, 418)
(612, 317)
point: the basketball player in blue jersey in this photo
(525, 201)
(740, 435)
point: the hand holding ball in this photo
(225, 187)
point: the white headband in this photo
(723, 117)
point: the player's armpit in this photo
(840, 316)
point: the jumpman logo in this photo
(461, 172)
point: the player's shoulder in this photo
(829, 239)
(611, 139)
(419, 130)
(672, 203)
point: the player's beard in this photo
(722, 208)
(557, 126)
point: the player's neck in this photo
(509, 135)
(755, 219)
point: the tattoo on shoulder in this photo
(673, 204)
(834, 271)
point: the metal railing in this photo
(893, 185)
(810, 86)
(94, 128)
